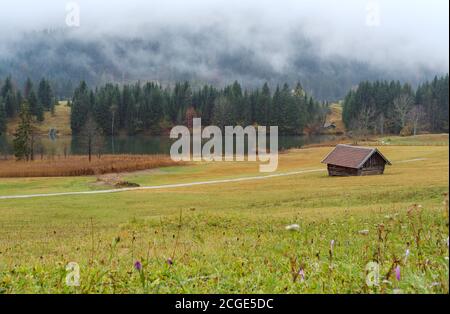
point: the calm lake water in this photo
(138, 144)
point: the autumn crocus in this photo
(170, 261)
(397, 273)
(138, 266)
(301, 273)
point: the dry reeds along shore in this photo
(80, 165)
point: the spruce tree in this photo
(27, 88)
(8, 94)
(81, 105)
(2, 117)
(222, 113)
(285, 123)
(128, 110)
(23, 135)
(36, 108)
(265, 103)
(45, 96)
(300, 107)
(274, 112)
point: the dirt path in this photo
(179, 185)
(166, 186)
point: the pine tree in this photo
(23, 136)
(27, 88)
(286, 123)
(151, 111)
(36, 108)
(264, 106)
(45, 95)
(300, 107)
(234, 94)
(128, 110)
(2, 117)
(134, 115)
(8, 94)
(246, 116)
(156, 108)
(106, 98)
(181, 99)
(274, 112)
(18, 100)
(222, 113)
(203, 102)
(81, 105)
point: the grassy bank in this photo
(58, 120)
(418, 140)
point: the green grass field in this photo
(231, 237)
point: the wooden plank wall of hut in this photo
(374, 166)
(334, 170)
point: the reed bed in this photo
(80, 165)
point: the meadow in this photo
(232, 237)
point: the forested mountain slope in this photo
(203, 56)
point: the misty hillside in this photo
(203, 55)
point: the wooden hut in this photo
(347, 160)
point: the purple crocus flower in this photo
(170, 261)
(301, 272)
(138, 265)
(397, 273)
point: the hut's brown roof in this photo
(351, 156)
